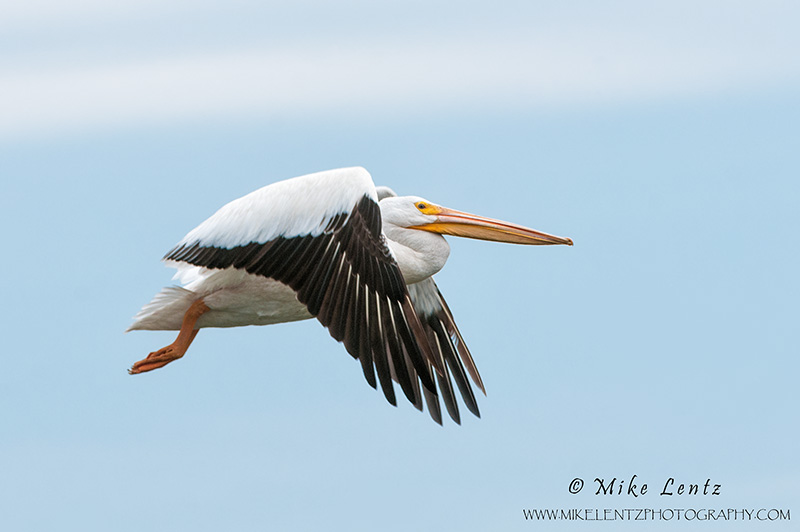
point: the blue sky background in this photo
(663, 138)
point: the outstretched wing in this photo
(321, 235)
(449, 347)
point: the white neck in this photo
(420, 254)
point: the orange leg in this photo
(176, 349)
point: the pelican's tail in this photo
(165, 312)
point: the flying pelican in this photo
(335, 247)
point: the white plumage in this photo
(322, 246)
(297, 206)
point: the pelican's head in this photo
(412, 212)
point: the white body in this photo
(236, 298)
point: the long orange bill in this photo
(457, 223)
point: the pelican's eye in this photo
(422, 205)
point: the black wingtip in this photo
(435, 411)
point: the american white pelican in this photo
(331, 245)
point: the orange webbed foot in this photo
(157, 359)
(176, 349)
